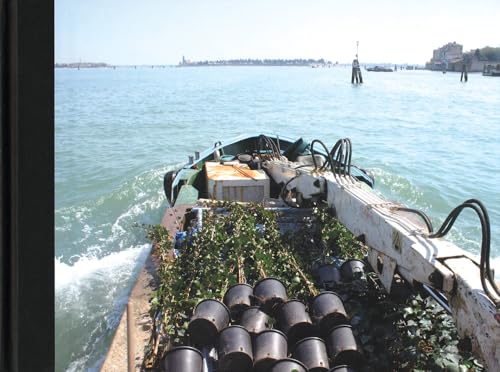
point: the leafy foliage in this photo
(244, 244)
(487, 53)
(236, 244)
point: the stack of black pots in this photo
(260, 329)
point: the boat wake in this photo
(89, 298)
(100, 249)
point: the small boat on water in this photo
(379, 69)
(491, 70)
(294, 176)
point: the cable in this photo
(342, 152)
(350, 160)
(268, 145)
(484, 265)
(329, 156)
(426, 218)
(282, 193)
(271, 145)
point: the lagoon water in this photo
(431, 141)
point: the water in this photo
(431, 141)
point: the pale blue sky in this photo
(162, 31)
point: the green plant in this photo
(244, 244)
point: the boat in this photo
(379, 69)
(294, 176)
(491, 70)
(250, 151)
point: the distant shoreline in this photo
(258, 62)
(82, 65)
(315, 64)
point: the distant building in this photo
(442, 58)
(475, 62)
(450, 57)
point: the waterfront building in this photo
(443, 57)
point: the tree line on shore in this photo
(259, 62)
(484, 54)
(81, 65)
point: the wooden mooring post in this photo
(464, 72)
(356, 72)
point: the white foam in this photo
(89, 266)
(92, 285)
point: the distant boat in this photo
(490, 70)
(379, 69)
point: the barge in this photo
(292, 177)
(491, 70)
(379, 69)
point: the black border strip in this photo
(27, 234)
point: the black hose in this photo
(329, 156)
(282, 193)
(338, 158)
(270, 145)
(349, 156)
(484, 265)
(344, 158)
(342, 152)
(333, 151)
(426, 218)
(275, 148)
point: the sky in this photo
(132, 32)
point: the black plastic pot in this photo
(209, 318)
(270, 292)
(327, 311)
(327, 276)
(352, 269)
(288, 365)
(294, 321)
(183, 358)
(238, 297)
(343, 348)
(312, 352)
(269, 346)
(235, 349)
(255, 320)
(342, 368)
